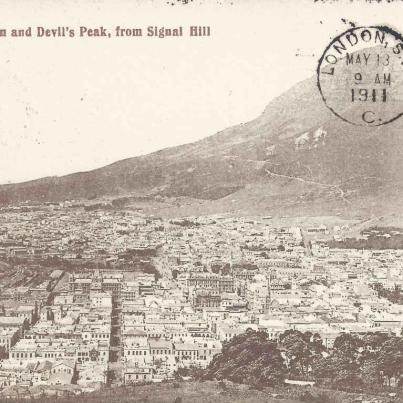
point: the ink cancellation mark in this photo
(360, 76)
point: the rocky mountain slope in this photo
(296, 156)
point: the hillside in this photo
(203, 392)
(183, 392)
(296, 157)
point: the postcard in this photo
(201, 201)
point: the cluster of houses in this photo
(217, 277)
(70, 232)
(65, 343)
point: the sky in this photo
(75, 104)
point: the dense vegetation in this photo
(373, 238)
(249, 358)
(370, 362)
(373, 242)
(395, 296)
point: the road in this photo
(115, 364)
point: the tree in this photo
(249, 358)
(341, 369)
(391, 359)
(347, 343)
(297, 351)
(370, 371)
(374, 341)
(301, 350)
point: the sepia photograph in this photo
(201, 201)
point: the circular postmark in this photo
(360, 76)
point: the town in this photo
(93, 297)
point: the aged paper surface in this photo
(201, 201)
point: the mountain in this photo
(297, 157)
